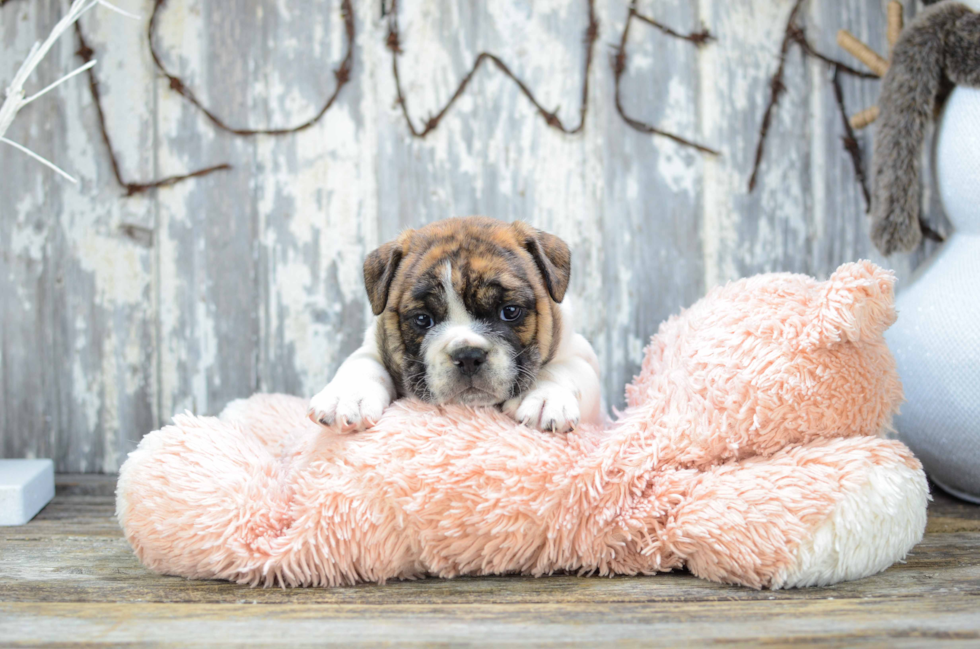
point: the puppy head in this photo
(468, 308)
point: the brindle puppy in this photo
(469, 311)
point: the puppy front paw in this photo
(547, 407)
(350, 405)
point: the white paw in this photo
(351, 405)
(547, 407)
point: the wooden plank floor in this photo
(69, 576)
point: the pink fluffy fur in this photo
(752, 433)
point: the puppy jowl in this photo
(469, 311)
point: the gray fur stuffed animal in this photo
(940, 48)
(936, 340)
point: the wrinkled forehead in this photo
(480, 273)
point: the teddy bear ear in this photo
(856, 304)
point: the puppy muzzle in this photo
(467, 367)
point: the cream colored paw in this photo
(547, 407)
(349, 405)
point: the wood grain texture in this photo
(70, 576)
(117, 313)
(747, 624)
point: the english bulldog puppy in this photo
(469, 311)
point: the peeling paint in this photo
(87, 399)
(116, 266)
(252, 279)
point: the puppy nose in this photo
(469, 360)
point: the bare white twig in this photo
(44, 161)
(15, 97)
(58, 82)
(119, 11)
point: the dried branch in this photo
(776, 88)
(928, 232)
(850, 142)
(619, 68)
(85, 53)
(698, 38)
(853, 150)
(799, 37)
(342, 75)
(550, 116)
(16, 99)
(794, 34)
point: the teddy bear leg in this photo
(813, 515)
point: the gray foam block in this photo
(25, 487)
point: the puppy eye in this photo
(510, 313)
(423, 321)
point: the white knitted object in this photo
(936, 340)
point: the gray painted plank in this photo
(765, 230)
(839, 228)
(650, 188)
(207, 264)
(78, 321)
(252, 280)
(316, 200)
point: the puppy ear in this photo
(379, 271)
(550, 254)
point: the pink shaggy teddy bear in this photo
(749, 454)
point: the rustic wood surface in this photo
(116, 313)
(69, 576)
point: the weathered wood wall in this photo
(118, 312)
